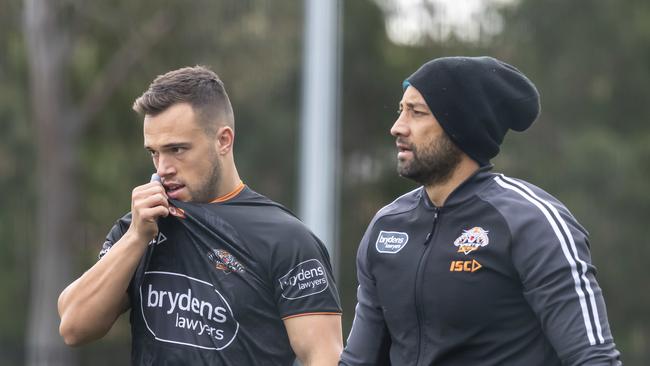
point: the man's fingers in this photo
(148, 190)
(149, 202)
(152, 213)
(157, 199)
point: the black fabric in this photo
(476, 100)
(216, 283)
(500, 275)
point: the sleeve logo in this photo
(306, 279)
(472, 239)
(391, 241)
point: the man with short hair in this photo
(213, 272)
(473, 267)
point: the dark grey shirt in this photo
(217, 282)
(501, 275)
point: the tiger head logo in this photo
(224, 261)
(472, 239)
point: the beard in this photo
(207, 189)
(433, 163)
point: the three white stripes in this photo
(572, 256)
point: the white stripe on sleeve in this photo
(571, 256)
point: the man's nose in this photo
(165, 166)
(399, 128)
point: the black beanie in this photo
(476, 100)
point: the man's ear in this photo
(225, 139)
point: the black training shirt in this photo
(501, 275)
(217, 282)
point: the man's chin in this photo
(404, 168)
(179, 194)
(412, 173)
(406, 173)
(200, 197)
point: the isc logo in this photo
(465, 266)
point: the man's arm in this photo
(315, 339)
(550, 251)
(569, 303)
(89, 306)
(369, 341)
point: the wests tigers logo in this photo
(224, 261)
(472, 239)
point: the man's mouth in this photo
(403, 148)
(172, 188)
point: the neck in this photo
(230, 179)
(438, 193)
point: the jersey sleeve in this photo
(369, 340)
(302, 275)
(115, 234)
(551, 253)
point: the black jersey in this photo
(217, 282)
(500, 275)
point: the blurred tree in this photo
(590, 147)
(59, 126)
(16, 200)
(67, 115)
(48, 47)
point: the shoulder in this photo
(513, 193)
(124, 221)
(520, 202)
(251, 199)
(403, 204)
(256, 215)
(120, 226)
(115, 234)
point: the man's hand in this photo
(90, 305)
(148, 203)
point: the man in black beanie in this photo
(473, 267)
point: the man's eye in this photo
(153, 153)
(177, 150)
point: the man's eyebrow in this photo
(176, 144)
(412, 104)
(170, 145)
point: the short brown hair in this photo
(199, 86)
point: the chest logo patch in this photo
(186, 311)
(471, 240)
(465, 266)
(306, 279)
(391, 242)
(224, 261)
(158, 239)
